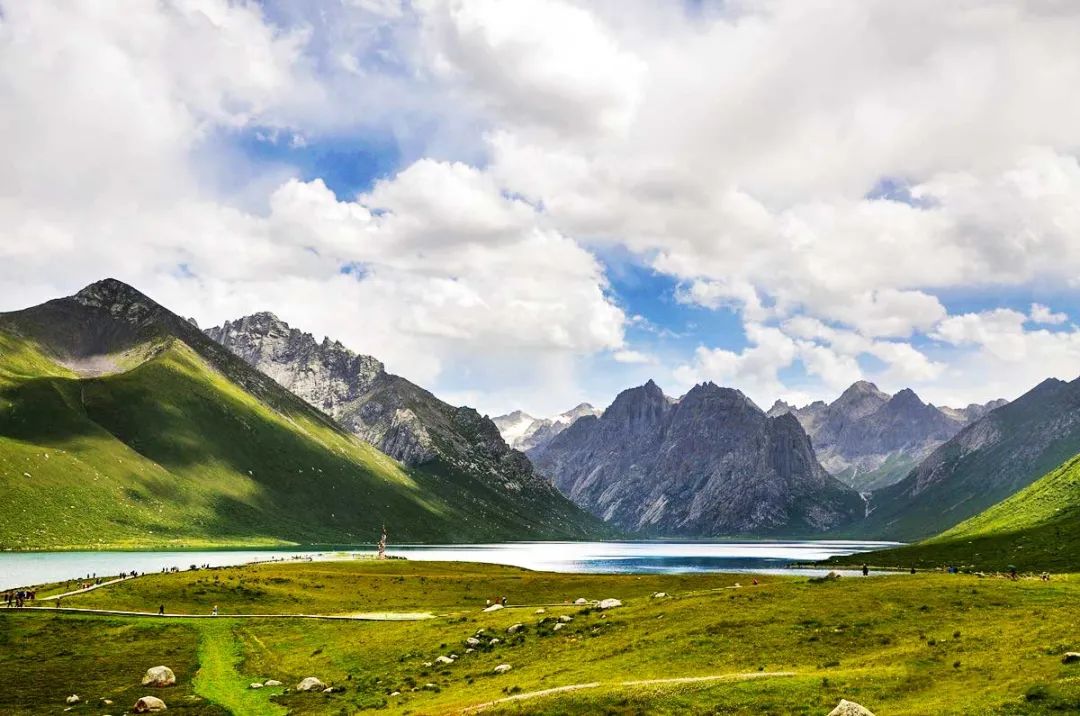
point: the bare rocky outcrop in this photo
(711, 463)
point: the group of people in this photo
(19, 598)
(500, 600)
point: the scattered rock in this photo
(502, 668)
(566, 618)
(395, 693)
(581, 600)
(107, 702)
(1071, 657)
(428, 663)
(73, 699)
(850, 708)
(149, 704)
(493, 642)
(558, 626)
(430, 686)
(328, 690)
(513, 629)
(610, 603)
(159, 676)
(310, 684)
(494, 608)
(660, 595)
(443, 660)
(469, 650)
(271, 682)
(255, 685)
(541, 610)
(472, 641)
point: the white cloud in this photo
(1044, 314)
(631, 356)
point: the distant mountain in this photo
(122, 425)
(709, 464)
(1034, 529)
(398, 417)
(869, 439)
(524, 432)
(989, 460)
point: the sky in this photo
(536, 203)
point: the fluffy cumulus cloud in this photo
(834, 174)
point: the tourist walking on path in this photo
(865, 571)
(161, 610)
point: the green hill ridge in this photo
(1036, 529)
(121, 425)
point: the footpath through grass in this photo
(904, 644)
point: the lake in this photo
(18, 569)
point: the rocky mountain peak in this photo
(906, 399)
(862, 398)
(780, 407)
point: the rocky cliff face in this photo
(524, 432)
(869, 439)
(396, 416)
(711, 463)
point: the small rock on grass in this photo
(149, 704)
(255, 685)
(513, 629)
(271, 682)
(581, 600)
(1070, 657)
(850, 708)
(610, 603)
(159, 676)
(310, 684)
(443, 660)
(73, 699)
(566, 618)
(502, 668)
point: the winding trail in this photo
(750, 676)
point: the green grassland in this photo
(904, 644)
(171, 453)
(1036, 529)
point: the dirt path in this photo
(358, 617)
(477, 708)
(91, 588)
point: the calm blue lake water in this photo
(24, 569)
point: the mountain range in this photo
(869, 439)
(524, 432)
(123, 424)
(710, 463)
(989, 460)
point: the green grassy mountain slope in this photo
(986, 462)
(121, 425)
(1036, 529)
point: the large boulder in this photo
(610, 603)
(149, 705)
(850, 708)
(310, 684)
(159, 676)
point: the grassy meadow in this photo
(900, 644)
